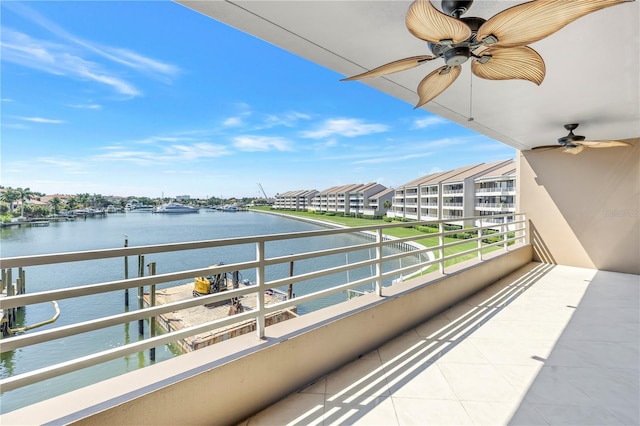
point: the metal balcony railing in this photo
(372, 238)
(497, 190)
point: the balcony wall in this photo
(584, 210)
(227, 382)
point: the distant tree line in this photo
(24, 202)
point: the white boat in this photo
(137, 206)
(174, 208)
(230, 208)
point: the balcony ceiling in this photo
(592, 64)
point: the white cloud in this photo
(42, 120)
(422, 123)
(69, 56)
(232, 122)
(349, 127)
(196, 151)
(261, 143)
(58, 59)
(288, 119)
(392, 158)
(87, 106)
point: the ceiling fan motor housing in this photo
(568, 141)
(456, 8)
(456, 55)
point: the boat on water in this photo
(134, 206)
(174, 208)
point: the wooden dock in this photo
(184, 318)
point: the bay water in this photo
(110, 231)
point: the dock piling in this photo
(141, 293)
(152, 302)
(126, 271)
(290, 292)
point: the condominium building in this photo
(452, 194)
(353, 199)
(495, 192)
(295, 200)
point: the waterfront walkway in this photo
(546, 345)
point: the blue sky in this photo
(149, 98)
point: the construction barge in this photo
(200, 286)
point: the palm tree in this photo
(55, 203)
(71, 203)
(387, 204)
(24, 195)
(83, 199)
(10, 195)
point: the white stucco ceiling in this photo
(592, 78)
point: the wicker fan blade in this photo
(604, 144)
(546, 147)
(529, 22)
(521, 63)
(428, 23)
(436, 82)
(574, 150)
(391, 67)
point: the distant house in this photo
(295, 200)
(354, 199)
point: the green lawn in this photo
(421, 237)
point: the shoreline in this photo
(414, 245)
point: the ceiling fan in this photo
(497, 46)
(575, 144)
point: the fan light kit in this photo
(575, 144)
(498, 46)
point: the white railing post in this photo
(479, 239)
(441, 242)
(260, 280)
(379, 262)
(505, 237)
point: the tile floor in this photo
(546, 345)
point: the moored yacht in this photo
(175, 207)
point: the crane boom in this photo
(262, 190)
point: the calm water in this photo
(140, 229)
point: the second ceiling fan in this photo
(498, 46)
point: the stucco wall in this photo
(583, 209)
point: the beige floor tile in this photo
(490, 413)
(411, 411)
(462, 351)
(514, 352)
(423, 382)
(402, 347)
(577, 415)
(365, 410)
(436, 328)
(476, 382)
(558, 346)
(616, 390)
(297, 409)
(517, 329)
(580, 353)
(551, 387)
(521, 377)
(319, 386)
(364, 376)
(527, 415)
